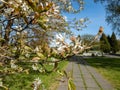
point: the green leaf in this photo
(27, 48)
(2, 39)
(61, 73)
(41, 56)
(71, 85)
(65, 73)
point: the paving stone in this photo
(91, 83)
(78, 79)
(87, 76)
(79, 84)
(94, 89)
(76, 75)
(76, 71)
(62, 88)
(80, 88)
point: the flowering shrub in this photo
(27, 28)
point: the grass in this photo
(23, 81)
(118, 52)
(108, 67)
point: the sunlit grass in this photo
(108, 67)
(118, 52)
(23, 81)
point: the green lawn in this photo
(23, 81)
(108, 67)
(118, 52)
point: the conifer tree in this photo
(104, 44)
(109, 40)
(114, 43)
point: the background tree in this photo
(114, 43)
(113, 13)
(87, 38)
(109, 40)
(104, 44)
(119, 44)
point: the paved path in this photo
(85, 77)
(112, 56)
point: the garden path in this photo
(85, 77)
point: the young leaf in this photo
(71, 85)
(41, 56)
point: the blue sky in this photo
(96, 14)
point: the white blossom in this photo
(65, 18)
(41, 4)
(3, 1)
(20, 1)
(41, 70)
(53, 59)
(37, 82)
(12, 63)
(35, 67)
(52, 64)
(18, 33)
(69, 8)
(56, 9)
(18, 27)
(27, 55)
(8, 10)
(1, 83)
(82, 20)
(60, 37)
(61, 48)
(43, 87)
(81, 8)
(24, 7)
(37, 49)
(46, 3)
